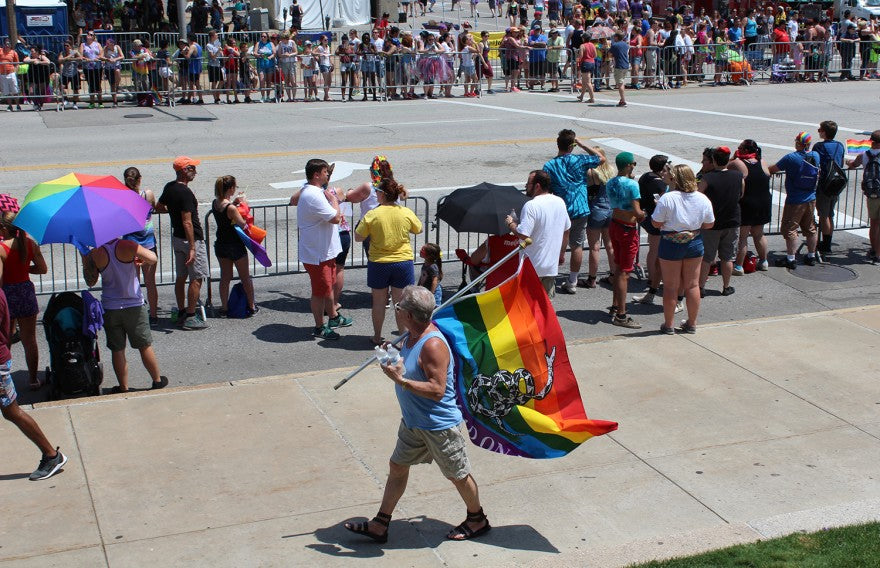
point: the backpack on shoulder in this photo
(808, 174)
(871, 176)
(833, 180)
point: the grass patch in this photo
(856, 546)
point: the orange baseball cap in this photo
(182, 162)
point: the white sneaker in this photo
(568, 288)
(646, 298)
(738, 270)
(75, 107)
(679, 307)
(763, 265)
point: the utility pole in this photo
(181, 17)
(11, 22)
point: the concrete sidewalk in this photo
(743, 431)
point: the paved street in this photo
(432, 144)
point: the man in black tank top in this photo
(724, 188)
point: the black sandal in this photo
(464, 532)
(363, 528)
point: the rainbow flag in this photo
(857, 146)
(596, 5)
(514, 382)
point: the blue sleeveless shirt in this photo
(418, 411)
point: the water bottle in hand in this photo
(514, 216)
(381, 355)
(393, 355)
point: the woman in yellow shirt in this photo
(390, 262)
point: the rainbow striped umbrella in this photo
(82, 210)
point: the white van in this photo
(858, 8)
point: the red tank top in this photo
(498, 247)
(14, 270)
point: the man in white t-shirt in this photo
(545, 220)
(317, 216)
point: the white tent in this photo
(340, 12)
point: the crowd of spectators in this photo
(560, 41)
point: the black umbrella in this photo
(481, 208)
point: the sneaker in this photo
(667, 330)
(738, 270)
(250, 312)
(810, 260)
(763, 265)
(91, 105)
(9, 108)
(646, 298)
(324, 332)
(626, 321)
(728, 291)
(713, 269)
(49, 466)
(75, 106)
(339, 321)
(568, 288)
(785, 263)
(612, 311)
(679, 307)
(514, 90)
(195, 322)
(685, 327)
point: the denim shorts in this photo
(7, 387)
(381, 275)
(600, 214)
(587, 67)
(324, 68)
(669, 250)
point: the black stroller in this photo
(75, 364)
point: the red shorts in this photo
(625, 239)
(322, 277)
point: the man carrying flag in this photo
(430, 429)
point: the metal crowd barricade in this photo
(36, 84)
(65, 267)
(282, 238)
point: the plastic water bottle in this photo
(393, 355)
(174, 314)
(514, 216)
(381, 354)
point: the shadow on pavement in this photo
(283, 333)
(339, 542)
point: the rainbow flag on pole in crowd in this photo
(596, 5)
(514, 382)
(857, 146)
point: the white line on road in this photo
(710, 112)
(612, 123)
(644, 151)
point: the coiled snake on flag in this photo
(494, 397)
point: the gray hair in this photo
(419, 302)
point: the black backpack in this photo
(833, 180)
(871, 175)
